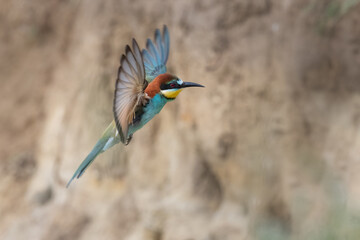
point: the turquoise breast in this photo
(150, 110)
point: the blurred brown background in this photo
(268, 150)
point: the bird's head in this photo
(170, 89)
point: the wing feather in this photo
(139, 58)
(156, 54)
(159, 45)
(129, 89)
(166, 42)
(153, 51)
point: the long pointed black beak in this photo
(190, 84)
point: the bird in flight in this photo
(142, 88)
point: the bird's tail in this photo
(107, 140)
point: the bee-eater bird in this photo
(142, 89)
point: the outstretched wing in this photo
(156, 54)
(129, 89)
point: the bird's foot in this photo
(128, 139)
(145, 100)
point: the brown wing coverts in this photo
(129, 89)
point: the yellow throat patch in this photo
(171, 93)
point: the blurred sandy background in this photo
(268, 150)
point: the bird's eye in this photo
(172, 85)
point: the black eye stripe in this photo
(169, 86)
